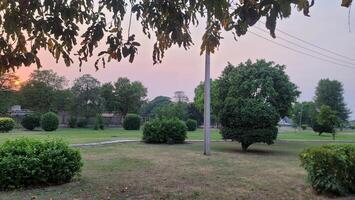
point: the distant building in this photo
(286, 121)
(16, 111)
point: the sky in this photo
(183, 70)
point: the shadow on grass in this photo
(268, 151)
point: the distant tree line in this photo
(328, 110)
(46, 91)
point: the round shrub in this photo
(31, 121)
(172, 131)
(191, 125)
(132, 122)
(27, 162)
(249, 121)
(6, 124)
(49, 121)
(331, 168)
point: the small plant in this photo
(82, 123)
(171, 131)
(132, 122)
(72, 122)
(304, 127)
(331, 168)
(31, 121)
(49, 121)
(191, 125)
(6, 124)
(28, 162)
(99, 123)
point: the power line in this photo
(311, 44)
(306, 48)
(301, 52)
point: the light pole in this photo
(207, 98)
(207, 106)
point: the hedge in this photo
(132, 122)
(172, 131)
(28, 162)
(49, 121)
(6, 124)
(31, 121)
(331, 168)
(191, 125)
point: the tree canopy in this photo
(87, 99)
(252, 97)
(260, 80)
(29, 26)
(49, 78)
(326, 121)
(9, 83)
(150, 109)
(304, 113)
(199, 97)
(124, 96)
(331, 93)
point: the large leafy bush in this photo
(170, 131)
(31, 121)
(191, 125)
(49, 121)
(249, 121)
(132, 122)
(6, 124)
(331, 168)
(25, 162)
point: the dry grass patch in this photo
(140, 171)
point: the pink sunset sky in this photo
(183, 70)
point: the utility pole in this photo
(207, 101)
(300, 123)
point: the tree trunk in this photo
(245, 146)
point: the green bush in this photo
(172, 131)
(191, 125)
(49, 121)
(25, 162)
(72, 122)
(304, 126)
(6, 124)
(331, 168)
(82, 123)
(31, 121)
(249, 121)
(99, 122)
(132, 122)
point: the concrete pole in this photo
(207, 106)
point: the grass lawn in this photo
(79, 136)
(141, 171)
